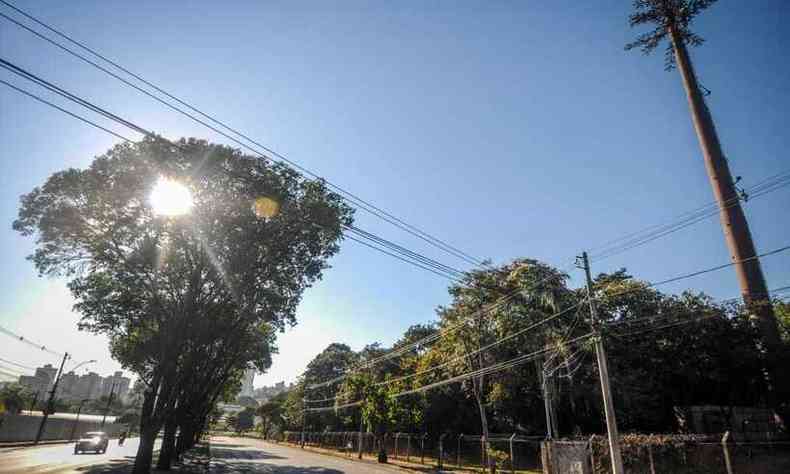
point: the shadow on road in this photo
(241, 454)
(231, 466)
(114, 465)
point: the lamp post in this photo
(77, 421)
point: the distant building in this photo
(47, 373)
(34, 383)
(246, 384)
(264, 394)
(67, 387)
(118, 384)
(89, 386)
(77, 387)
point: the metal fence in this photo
(642, 454)
(712, 454)
(509, 452)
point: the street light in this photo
(92, 361)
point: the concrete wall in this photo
(17, 428)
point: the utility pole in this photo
(671, 20)
(304, 419)
(109, 402)
(50, 407)
(77, 421)
(733, 220)
(35, 400)
(547, 405)
(603, 370)
(361, 438)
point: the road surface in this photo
(251, 456)
(60, 459)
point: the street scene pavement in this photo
(244, 455)
(61, 459)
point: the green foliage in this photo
(498, 458)
(245, 420)
(666, 15)
(271, 414)
(782, 312)
(14, 398)
(712, 360)
(188, 302)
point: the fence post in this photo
(408, 447)
(591, 442)
(458, 454)
(512, 458)
(441, 450)
(726, 450)
(397, 435)
(422, 448)
(650, 454)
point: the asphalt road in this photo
(248, 456)
(61, 459)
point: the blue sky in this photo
(510, 129)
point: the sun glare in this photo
(170, 198)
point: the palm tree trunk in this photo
(736, 229)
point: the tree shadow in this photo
(220, 453)
(218, 466)
(113, 465)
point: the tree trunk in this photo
(145, 451)
(167, 451)
(142, 460)
(478, 388)
(733, 221)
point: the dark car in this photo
(95, 441)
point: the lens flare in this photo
(170, 198)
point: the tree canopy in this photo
(187, 301)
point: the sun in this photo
(170, 198)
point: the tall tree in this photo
(489, 305)
(146, 280)
(672, 20)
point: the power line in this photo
(405, 251)
(12, 369)
(719, 267)
(29, 342)
(356, 200)
(78, 117)
(486, 347)
(435, 272)
(438, 334)
(651, 233)
(8, 374)
(17, 364)
(407, 255)
(498, 367)
(626, 291)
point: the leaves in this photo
(671, 17)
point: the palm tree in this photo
(672, 19)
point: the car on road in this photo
(95, 441)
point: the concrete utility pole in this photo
(109, 402)
(603, 369)
(50, 407)
(733, 221)
(77, 421)
(304, 418)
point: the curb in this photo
(30, 444)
